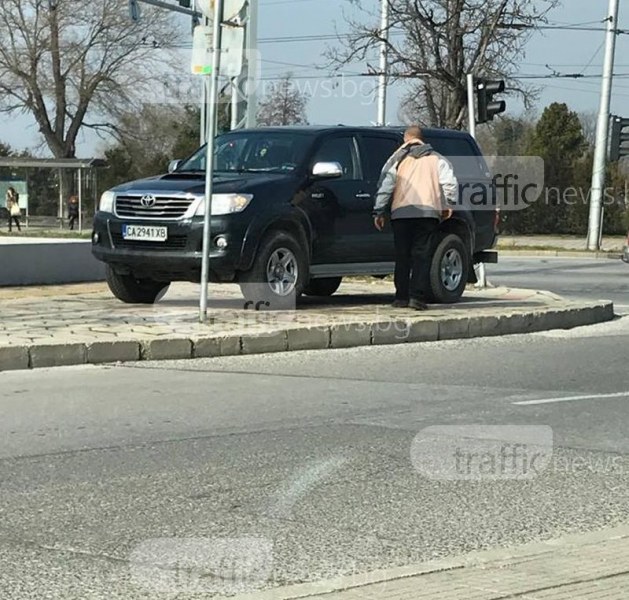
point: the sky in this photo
(350, 100)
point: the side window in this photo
(466, 162)
(343, 151)
(376, 152)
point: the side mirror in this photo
(327, 170)
(173, 165)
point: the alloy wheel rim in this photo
(451, 269)
(282, 272)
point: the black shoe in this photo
(400, 304)
(416, 304)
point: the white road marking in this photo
(295, 488)
(572, 399)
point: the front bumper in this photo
(176, 259)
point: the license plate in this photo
(143, 233)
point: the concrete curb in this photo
(486, 558)
(347, 335)
(613, 255)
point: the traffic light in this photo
(619, 137)
(488, 108)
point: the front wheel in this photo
(278, 275)
(135, 291)
(449, 270)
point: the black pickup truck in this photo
(291, 214)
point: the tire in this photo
(278, 275)
(323, 287)
(135, 291)
(449, 270)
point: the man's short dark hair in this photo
(414, 131)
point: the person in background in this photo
(13, 206)
(417, 187)
(73, 210)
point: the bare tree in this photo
(66, 61)
(589, 120)
(434, 44)
(284, 104)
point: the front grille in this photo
(174, 242)
(168, 209)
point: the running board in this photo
(348, 269)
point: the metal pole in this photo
(204, 93)
(235, 104)
(80, 184)
(209, 161)
(470, 105)
(384, 65)
(61, 190)
(172, 7)
(252, 49)
(598, 170)
(204, 103)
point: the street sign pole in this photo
(211, 123)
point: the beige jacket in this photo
(416, 182)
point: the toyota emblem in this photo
(148, 201)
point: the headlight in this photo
(107, 202)
(225, 204)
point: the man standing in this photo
(417, 186)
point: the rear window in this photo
(462, 154)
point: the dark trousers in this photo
(413, 255)
(17, 222)
(73, 218)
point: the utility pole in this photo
(211, 123)
(252, 48)
(384, 65)
(602, 131)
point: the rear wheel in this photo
(323, 287)
(278, 274)
(449, 270)
(135, 291)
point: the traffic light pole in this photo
(481, 272)
(471, 89)
(211, 123)
(598, 170)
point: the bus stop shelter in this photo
(86, 170)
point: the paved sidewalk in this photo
(68, 325)
(561, 242)
(592, 566)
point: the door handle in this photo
(361, 195)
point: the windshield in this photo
(247, 152)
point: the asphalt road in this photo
(606, 279)
(283, 468)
